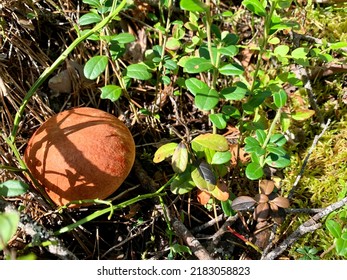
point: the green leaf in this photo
(138, 71)
(302, 114)
(300, 53)
(89, 18)
(277, 161)
(195, 86)
(255, 7)
(203, 177)
(252, 144)
(8, 227)
(211, 141)
(231, 69)
(218, 120)
(193, 6)
(93, 3)
(124, 38)
(285, 121)
(280, 98)
(280, 151)
(111, 92)
(164, 152)
(95, 66)
(281, 50)
(229, 51)
(221, 157)
(226, 207)
(341, 246)
(180, 158)
(254, 171)
(231, 111)
(197, 65)
(334, 228)
(207, 101)
(237, 92)
(13, 188)
(261, 136)
(278, 139)
(182, 183)
(338, 45)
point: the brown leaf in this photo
(261, 198)
(243, 203)
(281, 202)
(203, 197)
(266, 186)
(261, 212)
(221, 191)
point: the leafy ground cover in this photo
(237, 109)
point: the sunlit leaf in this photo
(266, 186)
(180, 158)
(89, 18)
(334, 228)
(221, 192)
(231, 69)
(111, 92)
(138, 71)
(211, 141)
(302, 114)
(164, 152)
(254, 171)
(203, 197)
(255, 7)
(281, 202)
(95, 66)
(207, 101)
(124, 38)
(197, 65)
(8, 227)
(280, 98)
(277, 161)
(203, 177)
(195, 86)
(193, 5)
(219, 120)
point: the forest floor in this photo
(174, 225)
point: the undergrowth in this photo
(224, 101)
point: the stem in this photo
(126, 203)
(48, 71)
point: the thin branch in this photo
(309, 226)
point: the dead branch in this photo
(309, 226)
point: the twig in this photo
(309, 226)
(198, 250)
(314, 143)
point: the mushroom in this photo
(79, 154)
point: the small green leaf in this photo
(8, 227)
(182, 183)
(211, 141)
(111, 92)
(285, 121)
(252, 144)
(221, 157)
(261, 136)
(180, 158)
(299, 53)
(195, 86)
(124, 38)
(164, 152)
(280, 151)
(229, 51)
(277, 161)
(237, 92)
(93, 3)
(341, 246)
(338, 45)
(280, 98)
(89, 19)
(254, 171)
(278, 139)
(281, 50)
(138, 71)
(13, 188)
(231, 69)
(302, 114)
(334, 228)
(193, 6)
(255, 7)
(226, 207)
(207, 101)
(197, 65)
(95, 66)
(219, 120)
(231, 111)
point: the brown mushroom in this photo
(82, 153)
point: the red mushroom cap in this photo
(82, 153)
